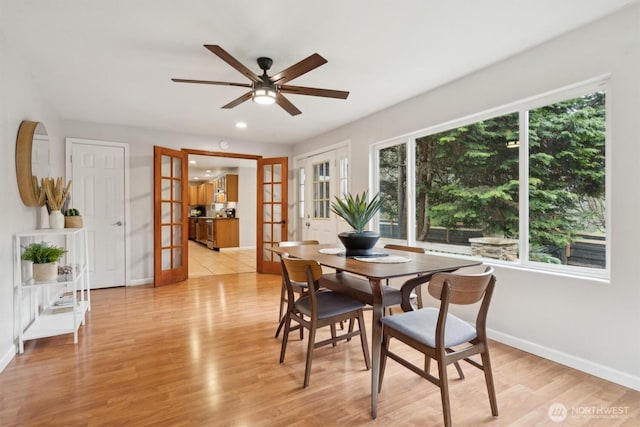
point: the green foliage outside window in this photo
(467, 177)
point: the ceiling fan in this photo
(267, 89)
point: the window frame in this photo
(522, 107)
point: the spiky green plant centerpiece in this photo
(357, 212)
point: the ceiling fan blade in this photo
(208, 82)
(328, 93)
(287, 105)
(226, 57)
(296, 70)
(239, 100)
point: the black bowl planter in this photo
(359, 244)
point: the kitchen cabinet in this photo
(225, 233)
(45, 309)
(226, 188)
(201, 194)
(208, 193)
(193, 224)
(232, 188)
(205, 193)
(193, 195)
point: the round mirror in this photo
(32, 161)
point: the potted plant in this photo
(45, 259)
(56, 195)
(72, 218)
(357, 212)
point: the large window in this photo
(393, 187)
(526, 186)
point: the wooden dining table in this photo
(377, 273)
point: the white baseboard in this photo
(7, 357)
(587, 366)
(139, 282)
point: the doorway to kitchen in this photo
(222, 213)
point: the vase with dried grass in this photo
(56, 194)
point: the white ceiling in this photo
(205, 168)
(112, 61)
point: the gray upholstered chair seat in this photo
(329, 304)
(420, 325)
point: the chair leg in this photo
(457, 365)
(285, 336)
(444, 393)
(427, 364)
(383, 358)
(307, 369)
(488, 376)
(350, 328)
(282, 313)
(282, 300)
(333, 334)
(363, 340)
(280, 325)
(459, 369)
(301, 330)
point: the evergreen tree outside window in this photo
(468, 193)
(392, 189)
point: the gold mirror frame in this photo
(24, 158)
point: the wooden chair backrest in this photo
(464, 288)
(405, 248)
(296, 269)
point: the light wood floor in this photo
(206, 262)
(202, 353)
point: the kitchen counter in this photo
(211, 217)
(215, 232)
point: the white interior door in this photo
(97, 170)
(320, 187)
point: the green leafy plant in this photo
(356, 211)
(72, 212)
(42, 253)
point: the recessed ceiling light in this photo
(195, 177)
(193, 162)
(241, 125)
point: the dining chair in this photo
(316, 309)
(299, 287)
(442, 336)
(360, 289)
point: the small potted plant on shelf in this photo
(45, 259)
(357, 212)
(72, 218)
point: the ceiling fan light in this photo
(265, 96)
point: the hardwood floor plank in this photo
(202, 352)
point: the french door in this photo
(322, 177)
(170, 223)
(272, 212)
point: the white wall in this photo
(590, 325)
(247, 207)
(19, 100)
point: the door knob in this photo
(119, 223)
